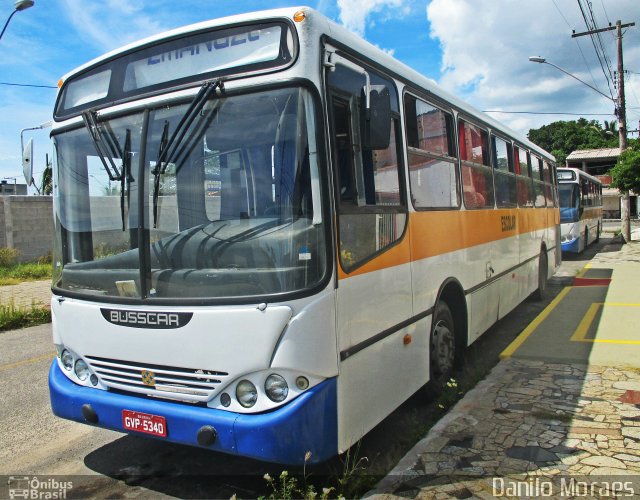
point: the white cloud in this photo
(486, 45)
(112, 23)
(354, 14)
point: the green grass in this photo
(30, 271)
(12, 317)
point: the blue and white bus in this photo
(270, 234)
(580, 209)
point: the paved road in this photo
(26, 294)
(562, 407)
(108, 464)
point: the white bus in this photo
(580, 209)
(269, 234)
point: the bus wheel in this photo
(442, 349)
(540, 293)
(586, 238)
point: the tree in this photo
(625, 174)
(562, 137)
(47, 186)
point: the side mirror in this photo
(375, 117)
(27, 162)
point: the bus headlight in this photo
(246, 393)
(67, 359)
(82, 370)
(276, 388)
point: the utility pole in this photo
(622, 117)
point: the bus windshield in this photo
(569, 202)
(232, 211)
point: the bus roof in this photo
(323, 26)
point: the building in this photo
(598, 162)
(7, 189)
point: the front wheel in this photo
(442, 349)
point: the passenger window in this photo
(477, 178)
(525, 184)
(431, 153)
(372, 211)
(504, 173)
(538, 185)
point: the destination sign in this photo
(190, 58)
(566, 175)
(174, 61)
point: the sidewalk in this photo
(538, 423)
(26, 294)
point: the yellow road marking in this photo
(580, 335)
(9, 366)
(584, 270)
(581, 332)
(524, 335)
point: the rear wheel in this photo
(540, 293)
(442, 349)
(586, 238)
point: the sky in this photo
(475, 49)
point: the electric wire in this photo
(28, 85)
(605, 70)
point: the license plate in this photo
(143, 422)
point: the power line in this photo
(586, 63)
(29, 85)
(605, 12)
(600, 56)
(565, 19)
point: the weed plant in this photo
(12, 317)
(30, 271)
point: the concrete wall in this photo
(26, 223)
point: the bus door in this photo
(374, 275)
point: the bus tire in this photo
(541, 291)
(586, 238)
(442, 349)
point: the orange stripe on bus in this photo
(439, 232)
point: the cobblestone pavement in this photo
(528, 420)
(26, 294)
(538, 423)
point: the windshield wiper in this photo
(107, 146)
(175, 149)
(157, 171)
(106, 150)
(125, 177)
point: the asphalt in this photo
(559, 415)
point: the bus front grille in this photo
(184, 384)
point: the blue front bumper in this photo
(308, 423)
(572, 246)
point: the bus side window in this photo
(504, 173)
(477, 178)
(431, 153)
(523, 170)
(538, 184)
(372, 211)
(344, 150)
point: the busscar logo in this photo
(146, 319)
